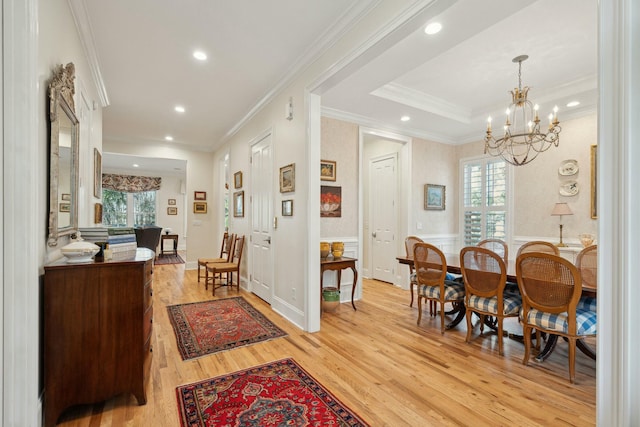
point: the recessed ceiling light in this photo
(199, 55)
(573, 104)
(405, 118)
(168, 138)
(179, 108)
(433, 28)
(135, 165)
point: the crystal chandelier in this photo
(522, 140)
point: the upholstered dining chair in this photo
(227, 267)
(409, 242)
(587, 264)
(226, 250)
(485, 276)
(551, 287)
(538, 246)
(430, 266)
(496, 245)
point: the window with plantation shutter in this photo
(484, 200)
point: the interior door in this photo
(261, 274)
(383, 185)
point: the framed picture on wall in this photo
(238, 204)
(199, 195)
(172, 210)
(330, 201)
(327, 170)
(288, 178)
(200, 207)
(237, 180)
(287, 208)
(97, 173)
(434, 197)
(97, 213)
(172, 202)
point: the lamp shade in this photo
(561, 209)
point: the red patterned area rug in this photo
(208, 327)
(169, 259)
(279, 393)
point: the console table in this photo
(173, 237)
(339, 264)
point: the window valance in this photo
(130, 183)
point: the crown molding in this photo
(377, 124)
(83, 24)
(425, 102)
(326, 40)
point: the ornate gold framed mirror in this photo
(63, 158)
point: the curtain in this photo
(130, 183)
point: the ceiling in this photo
(447, 83)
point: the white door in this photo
(383, 184)
(261, 274)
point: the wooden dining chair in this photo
(409, 242)
(551, 287)
(231, 267)
(485, 276)
(496, 245)
(587, 264)
(538, 246)
(430, 266)
(226, 249)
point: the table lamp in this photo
(561, 209)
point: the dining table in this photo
(453, 266)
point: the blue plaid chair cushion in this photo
(586, 321)
(511, 303)
(588, 303)
(453, 291)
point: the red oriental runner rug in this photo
(208, 327)
(279, 393)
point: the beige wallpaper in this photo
(536, 185)
(340, 144)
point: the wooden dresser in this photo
(97, 331)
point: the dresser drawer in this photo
(148, 270)
(148, 356)
(147, 325)
(148, 296)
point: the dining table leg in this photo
(460, 311)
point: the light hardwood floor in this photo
(376, 360)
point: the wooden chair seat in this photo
(226, 250)
(217, 268)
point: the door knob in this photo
(373, 234)
(268, 240)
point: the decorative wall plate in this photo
(568, 167)
(569, 188)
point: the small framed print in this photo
(238, 204)
(97, 173)
(327, 170)
(66, 197)
(172, 202)
(200, 207)
(173, 210)
(237, 180)
(199, 195)
(65, 207)
(434, 197)
(288, 178)
(97, 213)
(287, 208)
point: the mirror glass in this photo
(64, 140)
